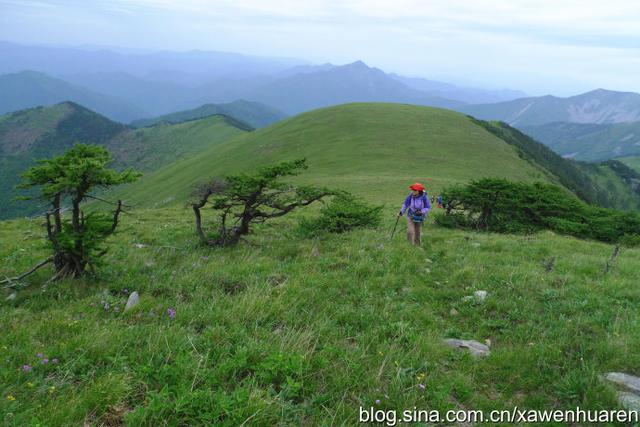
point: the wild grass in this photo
(285, 330)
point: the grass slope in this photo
(633, 162)
(291, 331)
(373, 149)
(609, 184)
(44, 132)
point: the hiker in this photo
(417, 206)
(433, 199)
(440, 201)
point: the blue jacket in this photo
(419, 203)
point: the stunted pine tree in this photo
(246, 199)
(76, 240)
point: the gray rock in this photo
(12, 297)
(453, 312)
(480, 296)
(630, 382)
(476, 348)
(631, 401)
(133, 300)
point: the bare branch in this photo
(11, 280)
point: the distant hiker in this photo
(433, 200)
(417, 206)
(440, 201)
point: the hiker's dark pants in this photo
(413, 231)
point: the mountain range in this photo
(589, 141)
(377, 131)
(598, 106)
(253, 114)
(157, 83)
(31, 89)
(43, 132)
(147, 88)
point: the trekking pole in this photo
(394, 228)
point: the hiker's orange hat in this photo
(417, 187)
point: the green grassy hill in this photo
(287, 330)
(47, 131)
(376, 150)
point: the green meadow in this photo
(290, 330)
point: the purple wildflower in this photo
(171, 312)
(40, 355)
(378, 402)
(26, 368)
(422, 386)
(45, 361)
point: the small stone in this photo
(453, 312)
(631, 401)
(467, 298)
(630, 382)
(12, 297)
(139, 245)
(480, 296)
(476, 348)
(315, 252)
(133, 300)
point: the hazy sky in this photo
(543, 46)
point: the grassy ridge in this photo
(151, 148)
(609, 184)
(295, 331)
(45, 132)
(253, 114)
(372, 149)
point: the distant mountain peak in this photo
(357, 65)
(597, 106)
